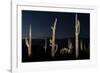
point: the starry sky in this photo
(41, 22)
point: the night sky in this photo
(41, 22)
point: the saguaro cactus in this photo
(29, 42)
(70, 45)
(77, 32)
(53, 45)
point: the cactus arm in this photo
(50, 41)
(26, 40)
(78, 26)
(51, 27)
(55, 23)
(56, 48)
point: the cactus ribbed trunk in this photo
(77, 53)
(29, 42)
(53, 45)
(77, 32)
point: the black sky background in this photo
(41, 22)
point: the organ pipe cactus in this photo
(53, 45)
(77, 32)
(29, 42)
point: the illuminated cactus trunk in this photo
(70, 45)
(53, 45)
(29, 42)
(77, 32)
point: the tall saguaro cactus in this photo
(53, 45)
(77, 32)
(29, 42)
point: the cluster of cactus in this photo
(67, 50)
(64, 51)
(53, 44)
(77, 32)
(84, 46)
(29, 42)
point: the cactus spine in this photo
(77, 32)
(29, 42)
(53, 45)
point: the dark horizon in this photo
(41, 22)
